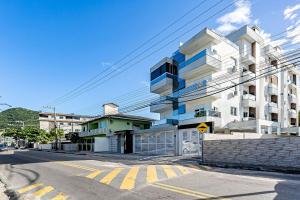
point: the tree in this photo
(59, 134)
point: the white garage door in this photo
(101, 144)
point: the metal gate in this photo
(161, 142)
(191, 142)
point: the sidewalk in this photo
(167, 159)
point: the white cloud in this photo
(294, 34)
(266, 36)
(239, 16)
(226, 28)
(106, 64)
(289, 12)
(293, 31)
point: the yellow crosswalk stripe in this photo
(43, 191)
(129, 180)
(169, 171)
(109, 177)
(151, 174)
(94, 174)
(182, 169)
(28, 188)
(60, 196)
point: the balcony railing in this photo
(204, 61)
(248, 59)
(164, 103)
(272, 107)
(292, 98)
(248, 100)
(163, 83)
(272, 89)
(248, 78)
(201, 54)
(202, 113)
(162, 77)
(165, 122)
(93, 132)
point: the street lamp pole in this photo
(55, 126)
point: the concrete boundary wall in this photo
(277, 153)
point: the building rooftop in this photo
(122, 116)
(63, 114)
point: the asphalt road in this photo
(47, 175)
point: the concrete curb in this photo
(252, 167)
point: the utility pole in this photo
(55, 126)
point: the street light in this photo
(53, 108)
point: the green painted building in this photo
(111, 132)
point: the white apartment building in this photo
(188, 80)
(67, 122)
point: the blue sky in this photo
(49, 47)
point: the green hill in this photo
(14, 117)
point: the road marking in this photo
(94, 174)
(186, 191)
(109, 177)
(169, 171)
(151, 174)
(78, 166)
(182, 169)
(28, 188)
(43, 191)
(60, 196)
(129, 180)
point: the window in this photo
(233, 111)
(61, 117)
(181, 109)
(61, 123)
(245, 114)
(102, 124)
(69, 123)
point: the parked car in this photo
(3, 147)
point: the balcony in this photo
(272, 89)
(99, 131)
(248, 100)
(203, 62)
(292, 83)
(248, 59)
(165, 122)
(248, 78)
(292, 98)
(203, 38)
(201, 116)
(162, 83)
(199, 91)
(272, 52)
(164, 104)
(292, 113)
(272, 108)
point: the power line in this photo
(205, 88)
(118, 72)
(140, 46)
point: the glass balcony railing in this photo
(165, 121)
(202, 113)
(162, 77)
(205, 52)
